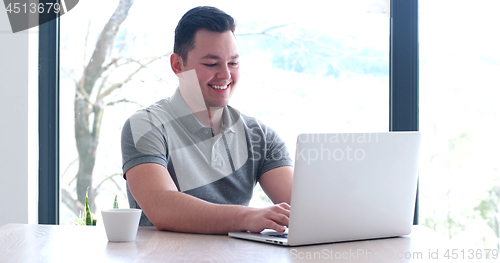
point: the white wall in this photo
(19, 124)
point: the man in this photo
(191, 161)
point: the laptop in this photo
(349, 186)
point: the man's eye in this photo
(210, 65)
(233, 64)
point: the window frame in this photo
(403, 70)
(403, 96)
(48, 119)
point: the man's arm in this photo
(277, 184)
(169, 209)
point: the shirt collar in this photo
(183, 113)
(188, 120)
(229, 117)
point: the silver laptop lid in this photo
(351, 186)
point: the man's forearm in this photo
(180, 212)
(168, 209)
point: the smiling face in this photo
(215, 61)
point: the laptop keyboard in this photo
(279, 235)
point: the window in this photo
(459, 120)
(308, 69)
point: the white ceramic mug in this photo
(121, 224)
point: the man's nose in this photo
(224, 73)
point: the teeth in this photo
(219, 87)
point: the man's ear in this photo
(176, 63)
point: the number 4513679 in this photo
(471, 254)
(33, 8)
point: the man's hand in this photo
(273, 217)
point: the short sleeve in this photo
(276, 153)
(143, 140)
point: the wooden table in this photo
(48, 243)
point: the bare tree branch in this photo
(74, 205)
(69, 166)
(129, 77)
(98, 110)
(103, 83)
(85, 45)
(104, 42)
(112, 103)
(263, 32)
(82, 93)
(109, 177)
(113, 62)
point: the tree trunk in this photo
(86, 133)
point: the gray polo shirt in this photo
(221, 169)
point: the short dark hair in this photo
(202, 17)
